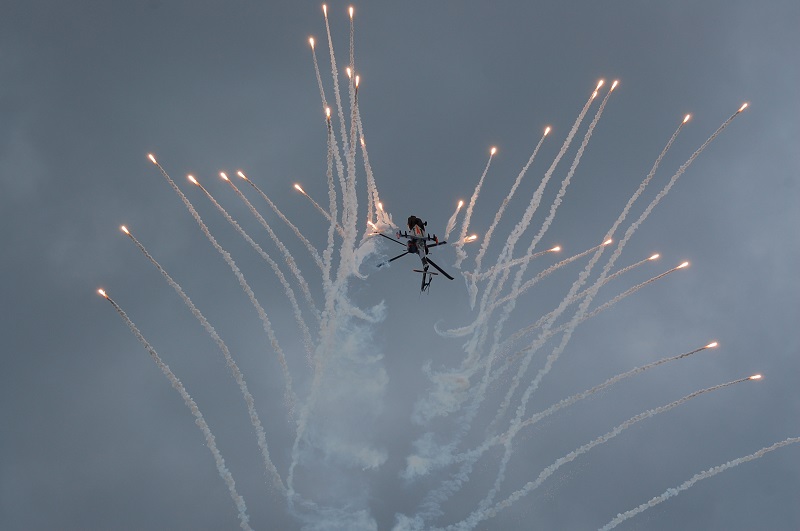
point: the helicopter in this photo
(418, 242)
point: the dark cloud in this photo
(93, 435)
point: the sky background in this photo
(93, 437)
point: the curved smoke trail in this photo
(669, 493)
(211, 442)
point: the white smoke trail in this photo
(461, 255)
(348, 201)
(635, 225)
(468, 458)
(335, 75)
(373, 197)
(311, 249)
(509, 308)
(321, 210)
(530, 328)
(516, 423)
(287, 256)
(507, 252)
(298, 315)
(596, 389)
(244, 520)
(568, 328)
(327, 255)
(522, 224)
(478, 516)
(316, 71)
(237, 374)
(669, 493)
(464, 330)
(507, 265)
(580, 313)
(451, 223)
(556, 203)
(289, 393)
(488, 236)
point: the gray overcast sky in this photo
(93, 437)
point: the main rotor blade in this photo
(388, 238)
(396, 257)
(442, 271)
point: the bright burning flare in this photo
(599, 84)
(594, 94)
(493, 151)
(325, 9)
(380, 207)
(152, 158)
(688, 117)
(755, 377)
(357, 79)
(371, 224)
(685, 264)
(614, 85)
(328, 113)
(712, 345)
(471, 238)
(311, 41)
(743, 107)
(297, 186)
(654, 257)
(351, 12)
(222, 174)
(608, 242)
(193, 180)
(103, 293)
(546, 130)
(555, 249)
(349, 72)
(125, 230)
(240, 174)
(460, 204)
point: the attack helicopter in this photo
(418, 242)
